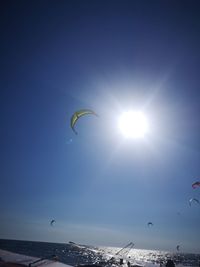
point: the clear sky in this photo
(57, 57)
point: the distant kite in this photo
(79, 114)
(52, 222)
(196, 184)
(150, 224)
(178, 247)
(193, 200)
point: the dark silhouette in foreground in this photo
(170, 263)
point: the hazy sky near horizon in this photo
(110, 56)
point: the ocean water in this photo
(75, 254)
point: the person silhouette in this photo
(170, 263)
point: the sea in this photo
(77, 254)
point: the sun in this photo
(133, 124)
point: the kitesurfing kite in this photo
(178, 247)
(195, 185)
(193, 200)
(79, 114)
(150, 224)
(52, 222)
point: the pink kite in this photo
(195, 185)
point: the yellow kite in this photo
(79, 114)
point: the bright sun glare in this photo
(133, 124)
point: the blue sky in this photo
(110, 56)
